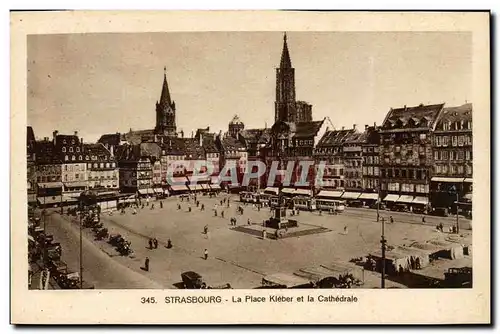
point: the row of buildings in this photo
(417, 152)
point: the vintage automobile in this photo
(441, 212)
(193, 280)
(400, 207)
(355, 204)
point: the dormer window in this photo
(73, 158)
(64, 149)
(73, 142)
(78, 149)
(66, 158)
(71, 149)
(80, 157)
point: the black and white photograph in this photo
(326, 161)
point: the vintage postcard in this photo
(250, 167)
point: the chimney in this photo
(111, 150)
(405, 107)
(201, 139)
(81, 141)
(354, 126)
(374, 124)
(155, 138)
(192, 134)
(343, 128)
(182, 133)
(366, 126)
(54, 135)
(76, 133)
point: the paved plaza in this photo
(242, 259)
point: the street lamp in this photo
(453, 191)
(383, 243)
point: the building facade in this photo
(48, 172)
(102, 168)
(452, 146)
(353, 160)
(31, 176)
(371, 159)
(74, 165)
(406, 153)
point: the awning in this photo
(50, 185)
(158, 190)
(468, 179)
(179, 188)
(305, 192)
(147, 191)
(214, 186)
(214, 179)
(176, 180)
(198, 178)
(195, 187)
(288, 190)
(204, 186)
(447, 179)
(368, 196)
(272, 189)
(391, 198)
(350, 195)
(47, 200)
(468, 197)
(76, 184)
(405, 199)
(233, 186)
(330, 194)
(420, 200)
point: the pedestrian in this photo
(161, 204)
(197, 203)
(264, 234)
(215, 212)
(205, 229)
(412, 263)
(221, 202)
(423, 219)
(249, 222)
(178, 206)
(222, 213)
(258, 208)
(417, 263)
(156, 243)
(146, 264)
(345, 230)
(142, 206)
(150, 242)
(203, 207)
(134, 212)
(169, 243)
(152, 206)
(189, 208)
(320, 212)
(205, 254)
(392, 219)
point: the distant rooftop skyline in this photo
(107, 83)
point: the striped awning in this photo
(176, 180)
(350, 195)
(391, 198)
(368, 196)
(405, 199)
(214, 186)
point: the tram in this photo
(328, 204)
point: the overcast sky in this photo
(106, 83)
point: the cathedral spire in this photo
(165, 94)
(285, 55)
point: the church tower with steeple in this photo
(165, 111)
(285, 106)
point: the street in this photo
(234, 257)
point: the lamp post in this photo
(382, 243)
(378, 204)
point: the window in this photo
(87, 158)
(73, 158)
(423, 136)
(460, 155)
(419, 174)
(78, 149)
(77, 175)
(436, 155)
(112, 165)
(64, 149)
(80, 157)
(66, 178)
(467, 155)
(444, 155)
(403, 173)
(71, 149)
(461, 141)
(389, 172)
(460, 169)
(107, 164)
(64, 141)
(454, 141)
(444, 141)
(65, 158)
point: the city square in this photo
(239, 258)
